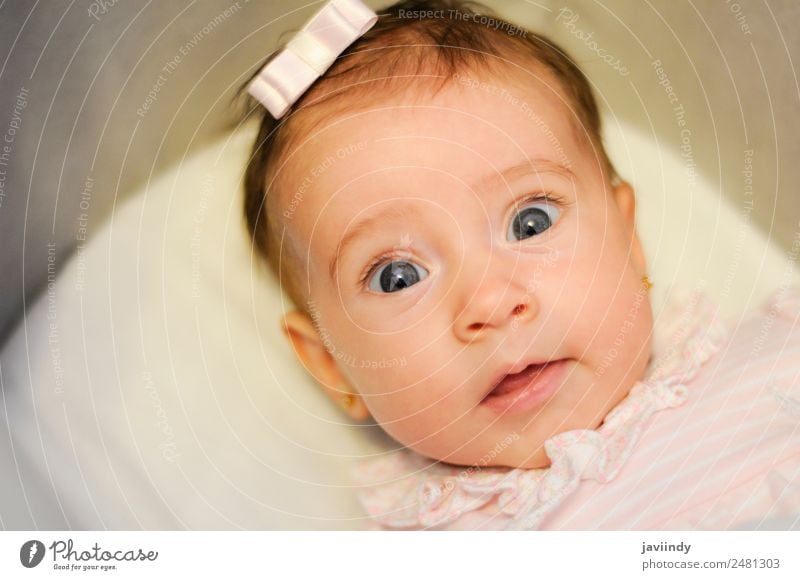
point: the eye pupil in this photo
(530, 222)
(398, 275)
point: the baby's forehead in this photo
(472, 124)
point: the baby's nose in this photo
(498, 304)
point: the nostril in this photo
(519, 309)
(476, 326)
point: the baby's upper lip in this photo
(512, 369)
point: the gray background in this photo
(730, 64)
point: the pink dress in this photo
(708, 440)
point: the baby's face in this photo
(448, 241)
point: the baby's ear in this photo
(625, 198)
(310, 350)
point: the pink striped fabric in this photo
(710, 439)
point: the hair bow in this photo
(310, 53)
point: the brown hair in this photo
(433, 37)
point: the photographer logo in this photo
(31, 553)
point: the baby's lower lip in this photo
(528, 389)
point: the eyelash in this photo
(375, 264)
(546, 196)
(382, 258)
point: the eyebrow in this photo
(398, 211)
(528, 167)
(404, 211)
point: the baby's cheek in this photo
(413, 392)
(388, 377)
(411, 416)
(597, 294)
(383, 378)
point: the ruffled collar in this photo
(406, 490)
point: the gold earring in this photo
(347, 401)
(647, 283)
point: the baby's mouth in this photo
(528, 389)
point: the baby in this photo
(464, 266)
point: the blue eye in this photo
(532, 220)
(396, 275)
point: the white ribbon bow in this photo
(310, 53)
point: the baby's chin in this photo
(514, 451)
(537, 460)
(511, 457)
